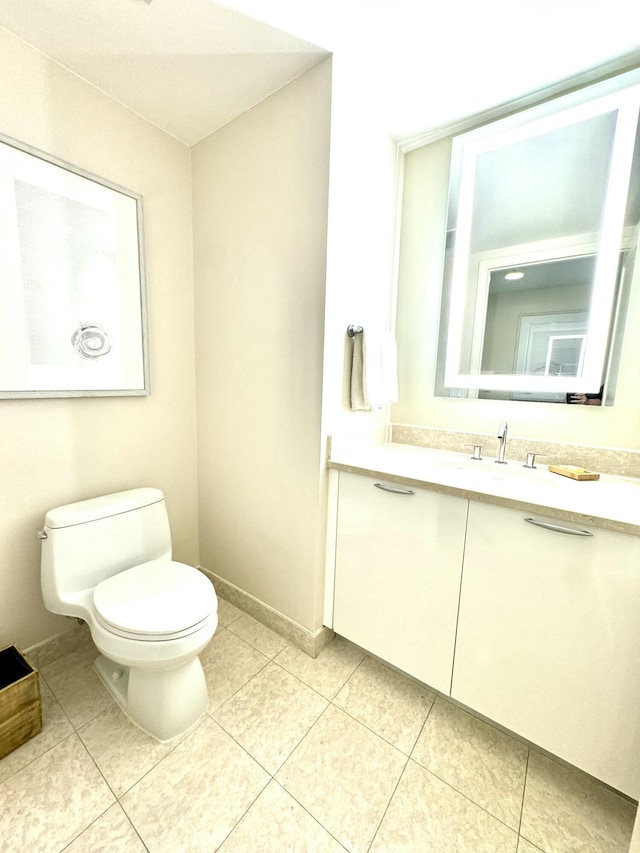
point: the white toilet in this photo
(108, 561)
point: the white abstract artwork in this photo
(72, 289)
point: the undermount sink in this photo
(487, 470)
(490, 466)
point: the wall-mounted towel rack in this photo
(352, 330)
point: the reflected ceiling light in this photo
(514, 275)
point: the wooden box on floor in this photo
(20, 702)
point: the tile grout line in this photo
(310, 686)
(115, 798)
(524, 790)
(302, 683)
(466, 796)
(328, 701)
(251, 804)
(235, 692)
(386, 808)
(33, 760)
(313, 817)
(272, 776)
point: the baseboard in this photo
(52, 649)
(309, 642)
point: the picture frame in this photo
(72, 280)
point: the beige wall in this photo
(363, 192)
(56, 451)
(420, 273)
(260, 219)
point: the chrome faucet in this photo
(502, 435)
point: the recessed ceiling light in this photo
(514, 275)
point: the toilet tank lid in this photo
(105, 506)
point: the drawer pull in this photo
(395, 490)
(557, 528)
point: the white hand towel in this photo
(374, 371)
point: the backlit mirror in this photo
(542, 230)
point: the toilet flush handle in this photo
(41, 534)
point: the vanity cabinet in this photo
(548, 639)
(398, 565)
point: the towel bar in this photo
(352, 330)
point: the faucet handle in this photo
(531, 459)
(477, 451)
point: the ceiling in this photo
(188, 66)
(566, 272)
(191, 66)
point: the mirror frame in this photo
(620, 93)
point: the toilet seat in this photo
(158, 600)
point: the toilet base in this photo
(163, 703)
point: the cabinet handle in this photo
(557, 528)
(395, 490)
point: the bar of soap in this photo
(574, 472)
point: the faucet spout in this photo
(502, 435)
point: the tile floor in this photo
(294, 754)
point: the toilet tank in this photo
(89, 541)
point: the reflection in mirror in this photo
(542, 231)
(537, 319)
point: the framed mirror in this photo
(542, 229)
(72, 284)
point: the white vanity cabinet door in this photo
(398, 567)
(548, 640)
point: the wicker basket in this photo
(20, 702)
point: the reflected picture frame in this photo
(72, 281)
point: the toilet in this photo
(108, 561)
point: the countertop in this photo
(611, 502)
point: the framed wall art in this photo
(72, 282)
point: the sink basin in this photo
(476, 472)
(490, 467)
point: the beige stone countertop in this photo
(611, 502)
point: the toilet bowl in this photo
(108, 561)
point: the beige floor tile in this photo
(78, 688)
(270, 715)
(327, 672)
(47, 804)
(258, 635)
(194, 797)
(565, 812)
(276, 822)
(344, 775)
(228, 664)
(475, 758)
(55, 727)
(387, 702)
(227, 613)
(425, 814)
(110, 833)
(122, 751)
(207, 790)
